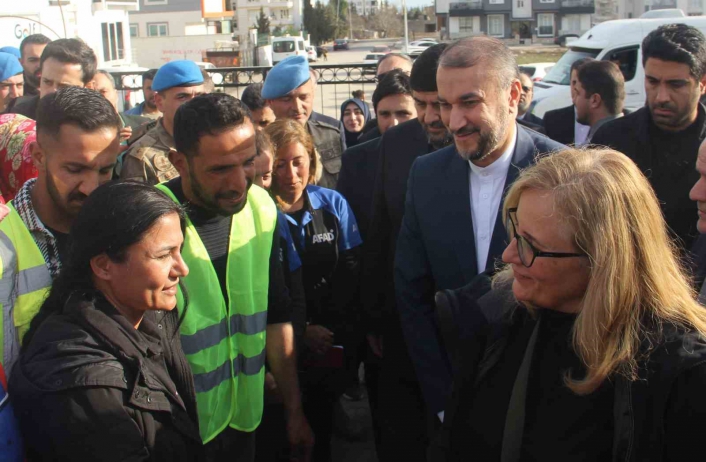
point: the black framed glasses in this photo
(525, 249)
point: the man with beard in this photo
(11, 80)
(31, 50)
(453, 228)
(231, 243)
(147, 108)
(663, 138)
(401, 415)
(76, 149)
(600, 93)
(523, 116)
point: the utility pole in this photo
(406, 37)
(350, 22)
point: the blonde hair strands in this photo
(636, 281)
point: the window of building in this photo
(496, 25)
(497, 2)
(159, 29)
(547, 1)
(134, 30)
(695, 4)
(546, 25)
(466, 24)
(284, 14)
(113, 46)
(156, 2)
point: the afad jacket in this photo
(672, 368)
(89, 386)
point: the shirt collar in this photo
(24, 207)
(164, 137)
(500, 167)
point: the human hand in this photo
(318, 339)
(301, 438)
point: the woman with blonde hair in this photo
(590, 345)
(327, 241)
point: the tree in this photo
(388, 22)
(263, 23)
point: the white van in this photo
(617, 41)
(283, 47)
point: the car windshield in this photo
(560, 73)
(283, 47)
(340, 42)
(369, 57)
(528, 70)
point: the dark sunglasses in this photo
(525, 249)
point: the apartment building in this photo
(102, 24)
(524, 20)
(366, 7)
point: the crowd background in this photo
(517, 288)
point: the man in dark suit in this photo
(560, 124)
(698, 194)
(402, 414)
(453, 228)
(524, 117)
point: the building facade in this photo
(102, 24)
(366, 7)
(523, 20)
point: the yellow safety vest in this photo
(225, 345)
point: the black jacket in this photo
(671, 174)
(24, 105)
(559, 124)
(533, 119)
(656, 418)
(89, 386)
(371, 134)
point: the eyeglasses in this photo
(527, 89)
(527, 251)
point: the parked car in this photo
(536, 71)
(372, 58)
(381, 49)
(283, 47)
(340, 44)
(312, 56)
(665, 13)
(563, 39)
(205, 65)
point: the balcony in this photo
(125, 5)
(281, 4)
(578, 6)
(470, 8)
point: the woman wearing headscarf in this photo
(354, 115)
(17, 133)
(590, 345)
(102, 375)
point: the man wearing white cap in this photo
(11, 79)
(147, 159)
(290, 90)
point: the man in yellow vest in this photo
(75, 152)
(238, 309)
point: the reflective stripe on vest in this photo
(225, 346)
(24, 284)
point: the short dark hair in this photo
(390, 56)
(678, 43)
(108, 75)
(489, 52)
(72, 51)
(395, 82)
(423, 77)
(34, 39)
(578, 63)
(358, 93)
(78, 106)
(207, 114)
(149, 75)
(263, 142)
(252, 97)
(604, 78)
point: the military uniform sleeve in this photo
(279, 307)
(135, 167)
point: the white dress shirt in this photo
(487, 185)
(580, 131)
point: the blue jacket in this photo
(436, 250)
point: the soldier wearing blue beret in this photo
(147, 159)
(290, 90)
(11, 79)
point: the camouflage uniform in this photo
(328, 143)
(147, 160)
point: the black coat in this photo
(671, 174)
(436, 250)
(89, 386)
(24, 105)
(371, 134)
(533, 119)
(356, 179)
(656, 419)
(559, 124)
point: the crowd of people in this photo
(200, 277)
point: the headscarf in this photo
(17, 132)
(352, 138)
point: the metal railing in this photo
(335, 82)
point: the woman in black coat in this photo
(102, 375)
(591, 345)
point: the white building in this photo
(366, 7)
(102, 24)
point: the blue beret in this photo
(289, 74)
(12, 51)
(177, 74)
(9, 66)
